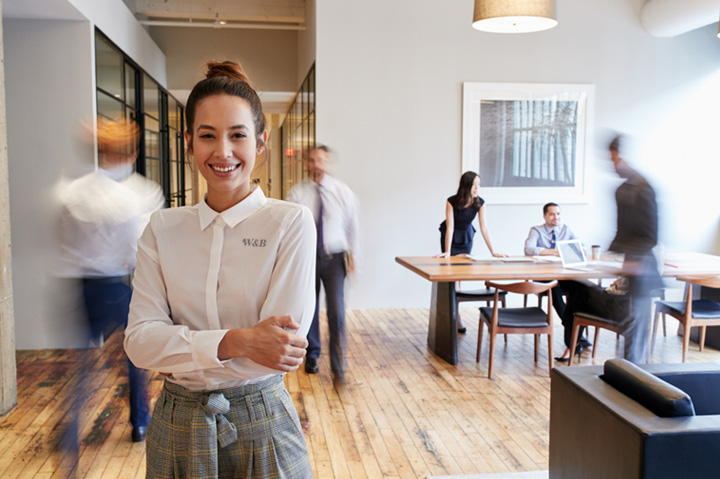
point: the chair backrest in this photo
(524, 287)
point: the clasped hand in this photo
(267, 343)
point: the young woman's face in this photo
(225, 145)
(475, 187)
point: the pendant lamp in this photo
(514, 16)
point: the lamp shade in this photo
(514, 16)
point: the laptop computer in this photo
(573, 256)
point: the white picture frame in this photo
(529, 142)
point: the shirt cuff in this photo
(204, 348)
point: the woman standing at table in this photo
(224, 297)
(460, 211)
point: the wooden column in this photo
(8, 370)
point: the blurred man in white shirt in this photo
(334, 207)
(103, 215)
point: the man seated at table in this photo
(542, 241)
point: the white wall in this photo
(390, 103)
(118, 23)
(50, 89)
(49, 84)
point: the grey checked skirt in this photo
(250, 431)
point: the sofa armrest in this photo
(660, 397)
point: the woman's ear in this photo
(261, 141)
(188, 141)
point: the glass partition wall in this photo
(124, 90)
(298, 134)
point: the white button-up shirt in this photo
(103, 215)
(340, 212)
(540, 237)
(201, 273)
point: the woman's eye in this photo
(206, 135)
(238, 135)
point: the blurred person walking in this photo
(102, 216)
(635, 238)
(335, 209)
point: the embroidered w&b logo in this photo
(257, 243)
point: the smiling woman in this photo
(224, 297)
(224, 143)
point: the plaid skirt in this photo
(248, 431)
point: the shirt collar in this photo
(234, 215)
(118, 173)
(326, 181)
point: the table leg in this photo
(442, 330)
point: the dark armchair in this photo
(609, 423)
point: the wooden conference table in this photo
(444, 272)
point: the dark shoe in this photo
(584, 343)
(311, 366)
(578, 351)
(138, 433)
(462, 330)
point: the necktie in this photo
(552, 240)
(319, 224)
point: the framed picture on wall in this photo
(529, 142)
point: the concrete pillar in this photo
(8, 369)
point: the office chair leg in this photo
(702, 338)
(480, 335)
(574, 341)
(492, 352)
(686, 342)
(550, 352)
(595, 341)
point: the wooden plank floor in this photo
(403, 412)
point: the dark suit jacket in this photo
(637, 231)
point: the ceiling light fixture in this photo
(514, 16)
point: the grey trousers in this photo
(250, 431)
(330, 272)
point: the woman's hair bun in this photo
(227, 69)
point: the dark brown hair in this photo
(548, 206)
(225, 78)
(464, 192)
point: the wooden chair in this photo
(691, 313)
(485, 294)
(586, 319)
(516, 320)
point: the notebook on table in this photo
(573, 256)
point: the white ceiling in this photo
(236, 14)
(250, 13)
